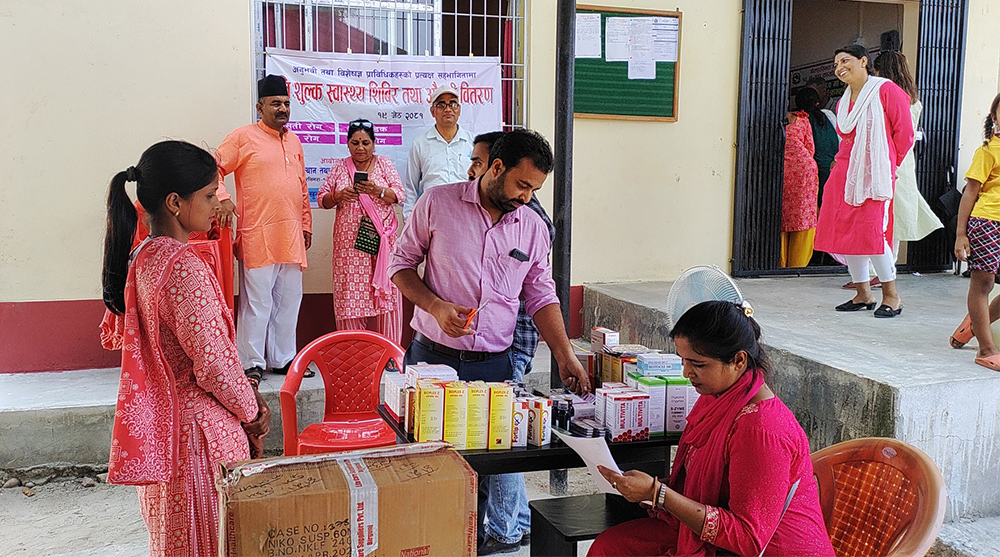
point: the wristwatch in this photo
(661, 496)
(382, 195)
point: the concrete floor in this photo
(796, 314)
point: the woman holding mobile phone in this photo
(364, 188)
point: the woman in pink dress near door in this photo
(855, 218)
(801, 188)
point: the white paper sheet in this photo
(641, 64)
(588, 35)
(616, 35)
(593, 451)
(666, 33)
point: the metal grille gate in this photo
(939, 78)
(760, 136)
(416, 27)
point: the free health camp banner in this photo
(328, 90)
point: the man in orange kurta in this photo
(274, 228)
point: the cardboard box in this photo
(540, 422)
(601, 337)
(430, 411)
(656, 389)
(456, 408)
(619, 417)
(501, 405)
(355, 503)
(519, 422)
(478, 417)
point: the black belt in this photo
(460, 355)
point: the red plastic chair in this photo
(351, 365)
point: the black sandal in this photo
(851, 305)
(885, 310)
(283, 370)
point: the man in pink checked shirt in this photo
(483, 250)
(481, 247)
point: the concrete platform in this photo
(64, 419)
(849, 375)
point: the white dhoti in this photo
(268, 313)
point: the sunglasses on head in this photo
(360, 123)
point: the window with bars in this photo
(413, 27)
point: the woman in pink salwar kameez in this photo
(741, 454)
(362, 291)
(183, 401)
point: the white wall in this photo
(87, 87)
(651, 198)
(982, 78)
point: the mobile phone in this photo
(360, 177)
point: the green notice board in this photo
(602, 89)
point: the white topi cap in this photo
(441, 91)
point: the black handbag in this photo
(368, 239)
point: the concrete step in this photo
(64, 419)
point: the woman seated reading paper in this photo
(738, 457)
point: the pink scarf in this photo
(704, 443)
(384, 293)
(144, 435)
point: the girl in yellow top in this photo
(978, 241)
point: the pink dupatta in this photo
(702, 449)
(384, 293)
(144, 435)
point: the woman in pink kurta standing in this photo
(801, 188)
(361, 286)
(855, 219)
(184, 403)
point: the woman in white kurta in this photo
(913, 218)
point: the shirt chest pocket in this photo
(509, 275)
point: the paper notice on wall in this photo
(588, 35)
(666, 33)
(616, 39)
(641, 64)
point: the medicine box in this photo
(478, 418)
(501, 405)
(519, 422)
(456, 410)
(656, 389)
(659, 364)
(539, 422)
(430, 411)
(601, 337)
(416, 372)
(681, 397)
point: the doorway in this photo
(787, 42)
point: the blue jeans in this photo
(503, 497)
(521, 363)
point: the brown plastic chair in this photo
(880, 497)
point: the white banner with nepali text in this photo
(328, 90)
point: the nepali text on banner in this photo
(329, 90)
